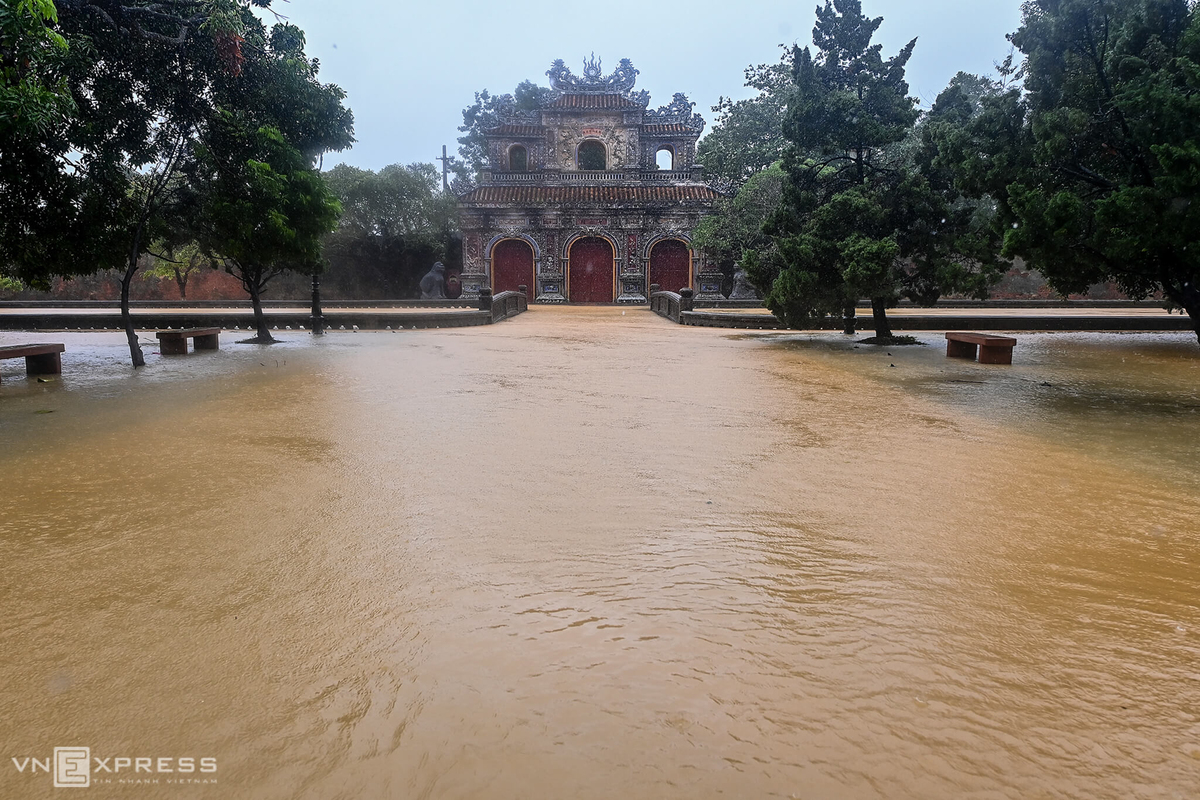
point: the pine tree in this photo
(858, 216)
(1096, 165)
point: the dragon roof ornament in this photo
(593, 81)
(678, 112)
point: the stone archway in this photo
(591, 271)
(512, 266)
(671, 265)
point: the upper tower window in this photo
(665, 158)
(518, 159)
(591, 155)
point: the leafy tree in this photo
(962, 253)
(263, 209)
(178, 262)
(92, 192)
(1096, 166)
(485, 113)
(859, 216)
(98, 188)
(261, 206)
(149, 82)
(735, 225)
(395, 224)
(747, 137)
(33, 93)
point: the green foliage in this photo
(736, 224)
(263, 208)
(33, 92)
(864, 213)
(151, 84)
(747, 137)
(177, 262)
(484, 114)
(9, 285)
(395, 224)
(835, 239)
(83, 195)
(1096, 167)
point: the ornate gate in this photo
(671, 265)
(591, 275)
(512, 266)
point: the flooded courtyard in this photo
(586, 553)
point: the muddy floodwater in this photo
(587, 553)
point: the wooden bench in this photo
(174, 343)
(992, 349)
(40, 359)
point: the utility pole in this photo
(445, 159)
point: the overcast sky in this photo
(409, 68)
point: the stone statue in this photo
(433, 285)
(742, 288)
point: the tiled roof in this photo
(666, 129)
(592, 101)
(583, 195)
(519, 131)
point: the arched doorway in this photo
(592, 156)
(590, 271)
(671, 265)
(518, 159)
(512, 266)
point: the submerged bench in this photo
(992, 349)
(40, 359)
(174, 343)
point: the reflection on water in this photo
(591, 554)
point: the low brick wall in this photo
(404, 314)
(709, 319)
(728, 303)
(243, 320)
(237, 304)
(951, 323)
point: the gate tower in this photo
(590, 198)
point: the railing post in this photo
(848, 320)
(523, 289)
(654, 287)
(685, 299)
(318, 321)
(485, 298)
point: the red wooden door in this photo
(512, 266)
(671, 265)
(591, 276)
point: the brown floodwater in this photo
(587, 553)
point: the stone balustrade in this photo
(609, 177)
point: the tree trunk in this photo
(1190, 302)
(883, 330)
(260, 321)
(1185, 295)
(848, 319)
(135, 349)
(181, 279)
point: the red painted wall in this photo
(512, 266)
(591, 274)
(671, 265)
